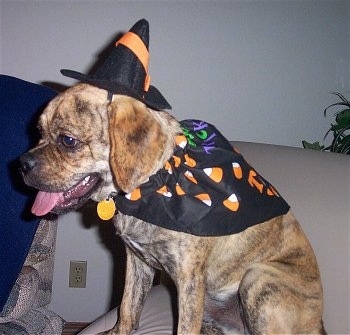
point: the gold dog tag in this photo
(106, 209)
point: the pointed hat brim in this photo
(152, 98)
(125, 71)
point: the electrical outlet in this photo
(77, 274)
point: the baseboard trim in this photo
(71, 328)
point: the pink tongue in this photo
(44, 202)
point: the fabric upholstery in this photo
(27, 243)
(20, 102)
(157, 317)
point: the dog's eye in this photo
(67, 141)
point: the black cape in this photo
(206, 188)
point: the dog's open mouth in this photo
(62, 202)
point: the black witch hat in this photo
(125, 71)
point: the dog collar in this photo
(206, 188)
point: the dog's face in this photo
(70, 164)
(84, 137)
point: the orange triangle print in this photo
(164, 191)
(190, 177)
(205, 198)
(177, 161)
(232, 203)
(181, 141)
(134, 195)
(190, 161)
(167, 167)
(237, 170)
(214, 174)
(179, 190)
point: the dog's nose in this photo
(28, 162)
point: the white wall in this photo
(260, 70)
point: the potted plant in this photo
(340, 129)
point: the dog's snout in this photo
(28, 162)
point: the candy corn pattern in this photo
(205, 188)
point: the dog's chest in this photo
(134, 245)
(146, 251)
(144, 239)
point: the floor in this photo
(72, 328)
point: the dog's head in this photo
(91, 146)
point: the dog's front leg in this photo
(139, 280)
(191, 292)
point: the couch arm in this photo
(33, 286)
(23, 296)
(26, 310)
(41, 257)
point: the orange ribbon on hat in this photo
(133, 42)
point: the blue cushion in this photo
(20, 105)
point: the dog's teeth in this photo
(86, 180)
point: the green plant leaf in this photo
(340, 129)
(336, 127)
(343, 117)
(347, 104)
(341, 96)
(312, 146)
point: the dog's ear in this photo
(137, 142)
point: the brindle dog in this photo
(264, 280)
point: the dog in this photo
(262, 280)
